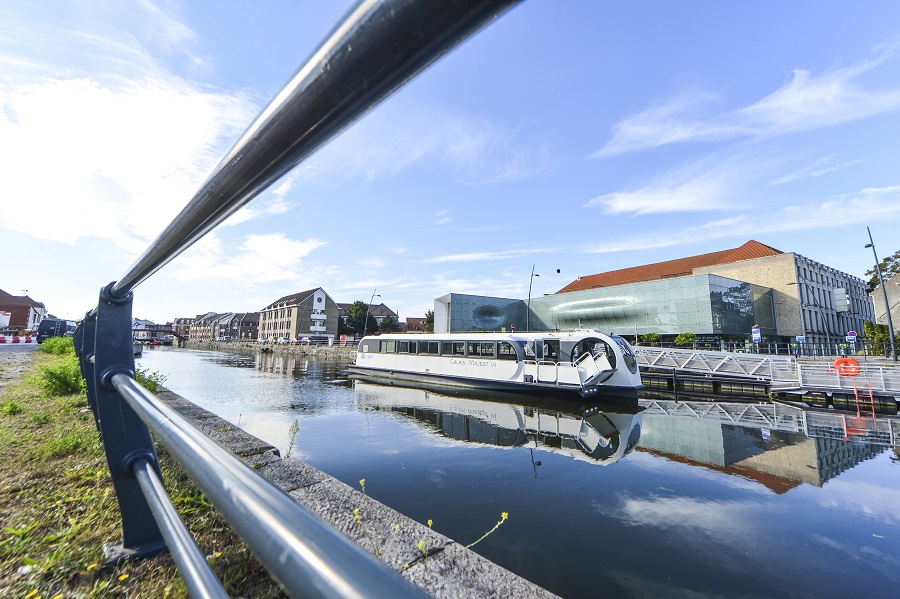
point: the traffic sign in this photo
(851, 333)
(757, 336)
(801, 337)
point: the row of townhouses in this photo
(309, 314)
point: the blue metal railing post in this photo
(84, 339)
(126, 438)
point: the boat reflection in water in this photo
(597, 433)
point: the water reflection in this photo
(595, 433)
(778, 446)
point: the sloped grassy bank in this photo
(58, 508)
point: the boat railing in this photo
(398, 38)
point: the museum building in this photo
(719, 296)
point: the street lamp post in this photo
(366, 316)
(887, 306)
(528, 312)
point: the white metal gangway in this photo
(759, 366)
(784, 372)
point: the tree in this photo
(429, 321)
(358, 314)
(389, 324)
(890, 266)
(651, 337)
(685, 339)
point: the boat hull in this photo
(437, 381)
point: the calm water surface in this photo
(697, 509)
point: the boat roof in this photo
(574, 335)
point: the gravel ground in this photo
(15, 358)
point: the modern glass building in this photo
(706, 305)
(719, 296)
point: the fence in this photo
(400, 38)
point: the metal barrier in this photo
(392, 41)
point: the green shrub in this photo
(685, 338)
(58, 345)
(12, 408)
(61, 376)
(149, 380)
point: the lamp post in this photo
(528, 312)
(366, 316)
(887, 306)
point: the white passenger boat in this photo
(582, 363)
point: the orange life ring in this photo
(846, 366)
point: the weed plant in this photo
(58, 346)
(58, 508)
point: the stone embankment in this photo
(316, 352)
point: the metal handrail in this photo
(301, 551)
(379, 47)
(361, 63)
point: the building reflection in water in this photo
(779, 446)
(601, 435)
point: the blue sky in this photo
(579, 136)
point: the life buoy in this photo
(846, 366)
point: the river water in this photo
(602, 502)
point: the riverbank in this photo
(313, 352)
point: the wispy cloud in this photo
(866, 205)
(486, 256)
(817, 168)
(698, 186)
(467, 149)
(807, 101)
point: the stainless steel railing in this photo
(392, 41)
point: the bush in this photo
(149, 380)
(685, 338)
(60, 377)
(58, 346)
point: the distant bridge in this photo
(161, 332)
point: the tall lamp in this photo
(366, 318)
(528, 312)
(887, 305)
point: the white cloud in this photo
(807, 101)
(259, 259)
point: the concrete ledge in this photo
(449, 570)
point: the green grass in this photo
(58, 507)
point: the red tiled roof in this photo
(679, 267)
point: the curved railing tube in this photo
(303, 553)
(380, 45)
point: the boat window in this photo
(388, 347)
(505, 351)
(404, 347)
(446, 348)
(412, 347)
(481, 349)
(433, 348)
(459, 348)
